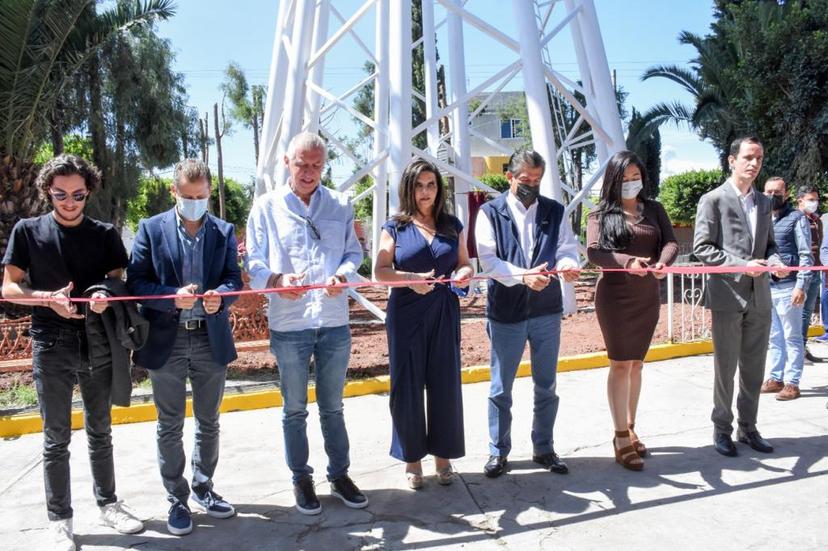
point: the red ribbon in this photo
(682, 270)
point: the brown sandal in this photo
(639, 446)
(626, 456)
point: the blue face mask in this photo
(192, 209)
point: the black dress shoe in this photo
(724, 445)
(753, 439)
(551, 462)
(495, 466)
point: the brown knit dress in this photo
(627, 305)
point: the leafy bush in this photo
(496, 181)
(366, 267)
(680, 193)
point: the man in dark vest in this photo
(786, 348)
(520, 235)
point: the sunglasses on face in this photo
(78, 196)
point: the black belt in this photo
(192, 325)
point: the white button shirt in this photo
(505, 272)
(748, 203)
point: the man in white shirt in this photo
(520, 236)
(298, 234)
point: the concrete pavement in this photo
(688, 497)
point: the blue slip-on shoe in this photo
(179, 522)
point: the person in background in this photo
(786, 348)
(423, 241)
(520, 236)
(627, 230)
(52, 258)
(807, 200)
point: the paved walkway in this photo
(688, 497)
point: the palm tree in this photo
(43, 43)
(712, 114)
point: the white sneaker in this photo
(62, 535)
(116, 516)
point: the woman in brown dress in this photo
(627, 230)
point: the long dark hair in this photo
(614, 232)
(408, 200)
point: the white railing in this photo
(693, 320)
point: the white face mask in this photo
(810, 206)
(629, 190)
(192, 209)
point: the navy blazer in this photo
(155, 269)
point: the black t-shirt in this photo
(53, 255)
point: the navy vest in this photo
(519, 303)
(784, 228)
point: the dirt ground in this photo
(369, 351)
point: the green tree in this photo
(238, 199)
(761, 70)
(247, 102)
(680, 193)
(43, 44)
(646, 143)
(153, 197)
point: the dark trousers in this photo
(191, 357)
(59, 359)
(426, 398)
(740, 339)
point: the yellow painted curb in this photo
(16, 425)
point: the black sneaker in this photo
(178, 519)
(306, 501)
(345, 489)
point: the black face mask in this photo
(777, 202)
(527, 194)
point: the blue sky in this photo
(207, 34)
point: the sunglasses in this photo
(78, 196)
(314, 230)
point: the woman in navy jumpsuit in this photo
(423, 323)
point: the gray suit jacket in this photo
(722, 238)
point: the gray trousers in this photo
(740, 339)
(191, 357)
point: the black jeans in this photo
(59, 359)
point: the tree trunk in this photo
(219, 160)
(97, 126)
(255, 121)
(19, 198)
(56, 129)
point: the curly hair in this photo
(67, 165)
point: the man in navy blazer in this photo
(187, 252)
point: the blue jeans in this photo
(823, 306)
(191, 357)
(812, 295)
(331, 350)
(786, 348)
(508, 341)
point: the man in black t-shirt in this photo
(50, 259)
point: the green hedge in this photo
(496, 181)
(680, 193)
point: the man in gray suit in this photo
(733, 228)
